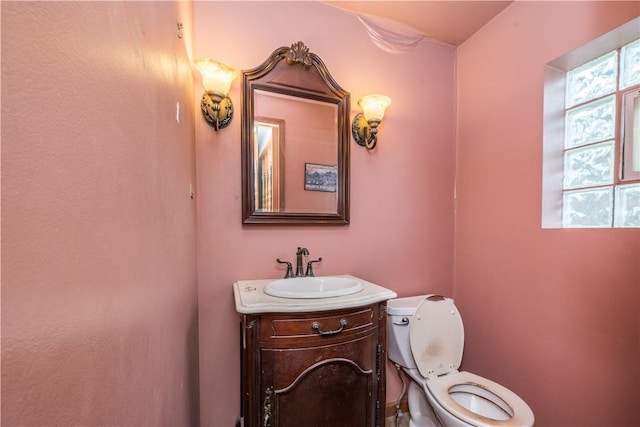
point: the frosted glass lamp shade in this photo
(373, 106)
(364, 127)
(216, 76)
(216, 106)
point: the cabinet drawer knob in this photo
(315, 326)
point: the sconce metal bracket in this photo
(362, 133)
(217, 114)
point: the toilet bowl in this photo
(426, 338)
(422, 414)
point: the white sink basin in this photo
(313, 287)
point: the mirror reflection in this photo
(293, 172)
(269, 164)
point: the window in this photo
(592, 139)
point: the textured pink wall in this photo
(401, 229)
(552, 314)
(98, 289)
(99, 299)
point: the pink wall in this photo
(401, 230)
(99, 305)
(99, 298)
(552, 314)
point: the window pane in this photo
(588, 208)
(631, 134)
(589, 166)
(630, 64)
(592, 80)
(628, 205)
(590, 123)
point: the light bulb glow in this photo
(216, 76)
(373, 106)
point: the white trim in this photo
(553, 147)
(630, 137)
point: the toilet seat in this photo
(437, 336)
(440, 389)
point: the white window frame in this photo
(553, 129)
(630, 158)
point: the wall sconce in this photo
(365, 125)
(216, 105)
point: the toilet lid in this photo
(437, 336)
(440, 390)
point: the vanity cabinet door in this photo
(329, 375)
(321, 386)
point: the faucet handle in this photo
(289, 273)
(310, 267)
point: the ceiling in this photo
(450, 22)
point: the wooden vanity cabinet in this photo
(320, 369)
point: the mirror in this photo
(268, 146)
(295, 141)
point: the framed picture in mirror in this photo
(320, 177)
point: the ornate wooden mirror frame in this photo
(294, 88)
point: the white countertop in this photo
(250, 298)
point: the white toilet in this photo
(426, 338)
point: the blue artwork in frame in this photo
(319, 177)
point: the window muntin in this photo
(593, 194)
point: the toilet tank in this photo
(400, 312)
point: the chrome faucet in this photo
(299, 263)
